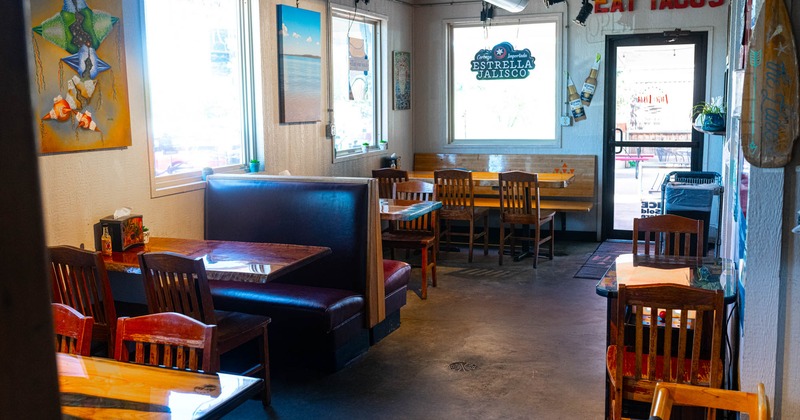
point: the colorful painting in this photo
(402, 80)
(79, 54)
(299, 65)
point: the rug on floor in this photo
(602, 258)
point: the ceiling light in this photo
(512, 6)
(549, 3)
(586, 10)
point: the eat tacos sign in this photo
(503, 62)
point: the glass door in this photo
(652, 82)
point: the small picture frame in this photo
(401, 71)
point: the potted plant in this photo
(364, 147)
(383, 144)
(709, 116)
(254, 165)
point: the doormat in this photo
(602, 258)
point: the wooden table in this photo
(406, 210)
(632, 270)
(546, 179)
(226, 260)
(105, 388)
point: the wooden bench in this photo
(577, 197)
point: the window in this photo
(357, 67)
(200, 101)
(518, 111)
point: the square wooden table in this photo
(93, 387)
(406, 210)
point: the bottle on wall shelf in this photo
(575, 105)
(590, 85)
(105, 240)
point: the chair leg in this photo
(424, 291)
(537, 240)
(447, 234)
(266, 398)
(485, 234)
(433, 264)
(552, 238)
(502, 242)
(471, 238)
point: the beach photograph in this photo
(299, 65)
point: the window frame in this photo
(380, 101)
(252, 139)
(559, 99)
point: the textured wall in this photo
(302, 148)
(581, 45)
(80, 188)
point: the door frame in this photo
(700, 40)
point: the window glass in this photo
(356, 70)
(513, 109)
(195, 86)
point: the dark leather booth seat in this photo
(319, 312)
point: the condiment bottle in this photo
(575, 105)
(105, 240)
(589, 86)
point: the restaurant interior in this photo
(601, 112)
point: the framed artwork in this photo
(299, 65)
(81, 80)
(401, 70)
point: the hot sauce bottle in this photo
(105, 240)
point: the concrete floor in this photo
(532, 344)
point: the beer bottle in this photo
(575, 105)
(589, 86)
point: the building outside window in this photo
(499, 106)
(357, 67)
(198, 78)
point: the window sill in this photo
(359, 154)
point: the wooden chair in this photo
(682, 353)
(519, 204)
(675, 230)
(419, 233)
(73, 330)
(169, 340)
(666, 394)
(386, 178)
(454, 188)
(80, 280)
(177, 283)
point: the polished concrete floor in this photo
(490, 342)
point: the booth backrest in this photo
(297, 210)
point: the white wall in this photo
(80, 188)
(582, 43)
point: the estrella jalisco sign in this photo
(503, 62)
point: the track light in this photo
(586, 10)
(548, 3)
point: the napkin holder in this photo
(126, 232)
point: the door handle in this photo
(621, 134)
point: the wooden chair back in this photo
(80, 281)
(519, 197)
(73, 330)
(177, 283)
(669, 234)
(386, 178)
(169, 340)
(454, 188)
(678, 349)
(419, 191)
(756, 405)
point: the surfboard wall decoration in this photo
(770, 122)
